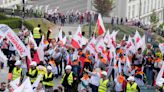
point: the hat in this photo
(49, 68)
(33, 63)
(131, 78)
(68, 67)
(104, 73)
(18, 62)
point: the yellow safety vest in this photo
(50, 83)
(103, 85)
(36, 33)
(43, 72)
(69, 79)
(132, 88)
(16, 73)
(32, 72)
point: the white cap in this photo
(33, 63)
(49, 68)
(131, 78)
(18, 62)
(104, 73)
(68, 67)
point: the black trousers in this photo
(59, 65)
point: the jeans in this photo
(149, 75)
(37, 40)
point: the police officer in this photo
(132, 85)
(48, 80)
(104, 82)
(37, 34)
(33, 72)
(69, 80)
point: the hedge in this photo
(28, 25)
(12, 22)
(2, 16)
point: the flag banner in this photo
(14, 84)
(14, 39)
(36, 83)
(25, 86)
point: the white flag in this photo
(35, 84)
(14, 39)
(14, 84)
(25, 87)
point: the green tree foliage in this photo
(103, 6)
(154, 20)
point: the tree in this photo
(154, 20)
(103, 6)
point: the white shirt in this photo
(95, 79)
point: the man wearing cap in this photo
(17, 71)
(104, 82)
(33, 72)
(132, 85)
(69, 80)
(48, 80)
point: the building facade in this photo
(9, 3)
(139, 9)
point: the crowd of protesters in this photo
(101, 72)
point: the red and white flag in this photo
(100, 24)
(137, 37)
(77, 39)
(130, 46)
(61, 38)
(113, 38)
(141, 43)
(107, 38)
(40, 50)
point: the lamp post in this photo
(23, 11)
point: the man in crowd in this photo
(69, 80)
(37, 34)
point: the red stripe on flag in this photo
(36, 58)
(100, 29)
(75, 44)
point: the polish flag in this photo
(101, 28)
(130, 46)
(77, 39)
(113, 38)
(137, 37)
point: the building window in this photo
(129, 12)
(148, 6)
(133, 11)
(144, 9)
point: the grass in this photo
(123, 29)
(44, 23)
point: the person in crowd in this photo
(59, 89)
(95, 79)
(48, 80)
(11, 65)
(33, 72)
(3, 87)
(69, 80)
(37, 34)
(17, 71)
(84, 83)
(41, 69)
(104, 82)
(5, 47)
(39, 88)
(132, 85)
(49, 34)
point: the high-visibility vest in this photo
(32, 72)
(103, 85)
(48, 83)
(36, 33)
(16, 73)
(69, 79)
(41, 71)
(131, 88)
